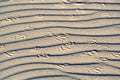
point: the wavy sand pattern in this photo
(59, 40)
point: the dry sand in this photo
(59, 40)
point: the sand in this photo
(59, 40)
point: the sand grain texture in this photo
(59, 40)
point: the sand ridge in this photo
(59, 40)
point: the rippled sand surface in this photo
(59, 40)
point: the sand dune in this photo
(59, 40)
